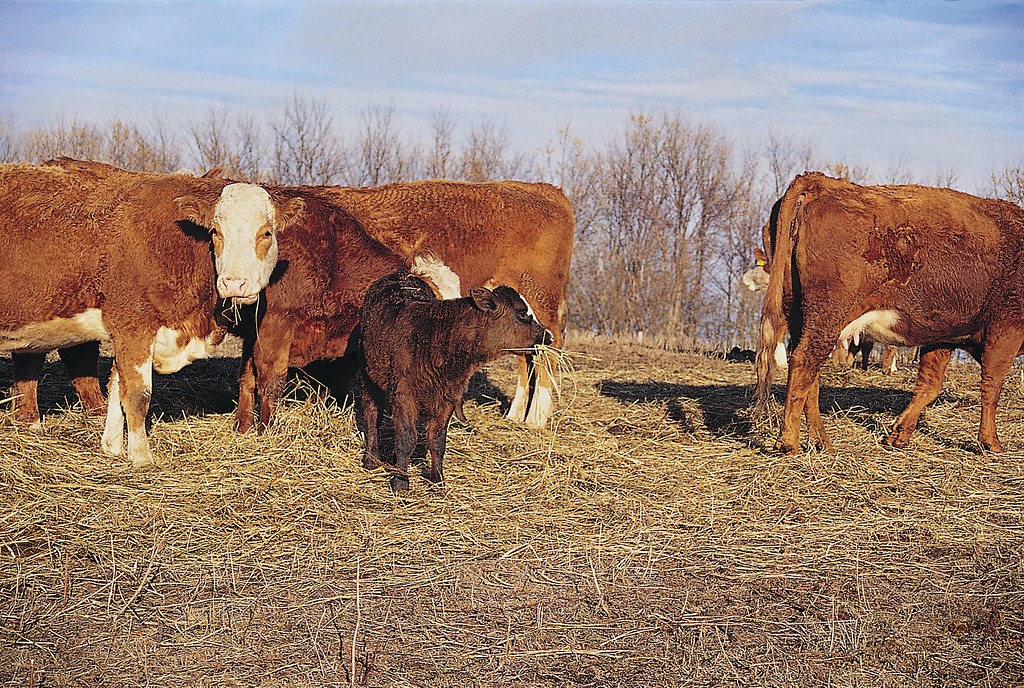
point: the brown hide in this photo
(75, 241)
(418, 354)
(509, 233)
(943, 267)
(327, 262)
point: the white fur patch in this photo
(541, 408)
(517, 411)
(781, 360)
(113, 428)
(756, 279)
(169, 357)
(875, 325)
(446, 282)
(58, 333)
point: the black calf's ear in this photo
(483, 298)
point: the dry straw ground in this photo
(648, 539)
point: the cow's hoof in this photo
(899, 438)
(399, 483)
(785, 449)
(371, 462)
(435, 479)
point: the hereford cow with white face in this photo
(127, 258)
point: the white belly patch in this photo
(58, 333)
(169, 357)
(876, 326)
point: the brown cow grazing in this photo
(903, 265)
(311, 307)
(508, 233)
(418, 354)
(87, 257)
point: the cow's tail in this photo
(445, 283)
(773, 315)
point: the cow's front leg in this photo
(542, 406)
(521, 400)
(930, 372)
(270, 358)
(246, 409)
(130, 390)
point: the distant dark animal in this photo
(738, 355)
(509, 233)
(418, 353)
(135, 259)
(901, 265)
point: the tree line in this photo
(668, 208)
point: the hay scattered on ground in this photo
(646, 539)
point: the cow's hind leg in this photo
(930, 373)
(802, 390)
(371, 451)
(996, 359)
(82, 363)
(437, 435)
(26, 368)
(113, 430)
(815, 427)
(404, 414)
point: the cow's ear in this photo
(291, 211)
(483, 298)
(759, 255)
(195, 210)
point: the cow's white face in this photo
(243, 224)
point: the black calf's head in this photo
(509, 323)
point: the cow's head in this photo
(243, 224)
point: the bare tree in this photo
(380, 156)
(440, 156)
(306, 149)
(10, 140)
(1008, 184)
(74, 139)
(487, 155)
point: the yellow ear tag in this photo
(761, 263)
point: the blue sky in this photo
(926, 85)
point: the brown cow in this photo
(312, 305)
(496, 233)
(904, 265)
(418, 354)
(756, 279)
(87, 257)
(312, 302)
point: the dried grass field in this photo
(649, 538)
